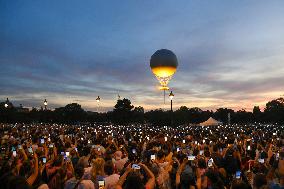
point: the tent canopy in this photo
(210, 122)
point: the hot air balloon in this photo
(163, 64)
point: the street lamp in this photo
(98, 101)
(171, 96)
(6, 103)
(45, 103)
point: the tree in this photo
(123, 105)
(138, 114)
(274, 111)
(122, 111)
(181, 115)
(195, 115)
(158, 117)
(70, 113)
(257, 114)
(222, 114)
(242, 116)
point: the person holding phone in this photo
(112, 177)
(78, 181)
(97, 172)
(132, 179)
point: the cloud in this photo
(232, 57)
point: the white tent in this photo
(210, 122)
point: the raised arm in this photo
(123, 178)
(151, 181)
(33, 177)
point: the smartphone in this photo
(153, 157)
(225, 138)
(166, 138)
(30, 150)
(248, 147)
(135, 166)
(67, 154)
(76, 149)
(210, 162)
(201, 152)
(14, 153)
(178, 149)
(99, 149)
(238, 174)
(274, 134)
(190, 158)
(51, 146)
(19, 147)
(101, 184)
(44, 159)
(42, 141)
(277, 156)
(183, 141)
(195, 142)
(134, 151)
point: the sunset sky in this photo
(230, 53)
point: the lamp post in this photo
(98, 99)
(45, 104)
(6, 103)
(171, 96)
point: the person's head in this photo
(98, 166)
(218, 184)
(60, 177)
(109, 167)
(117, 155)
(58, 161)
(259, 180)
(83, 161)
(215, 148)
(134, 181)
(79, 171)
(161, 155)
(202, 163)
(25, 169)
(17, 182)
(187, 178)
(207, 153)
(237, 184)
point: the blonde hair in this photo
(98, 167)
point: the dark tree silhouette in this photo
(274, 111)
(222, 114)
(70, 113)
(138, 114)
(257, 114)
(122, 111)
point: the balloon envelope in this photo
(163, 63)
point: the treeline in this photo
(124, 112)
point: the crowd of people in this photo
(94, 156)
